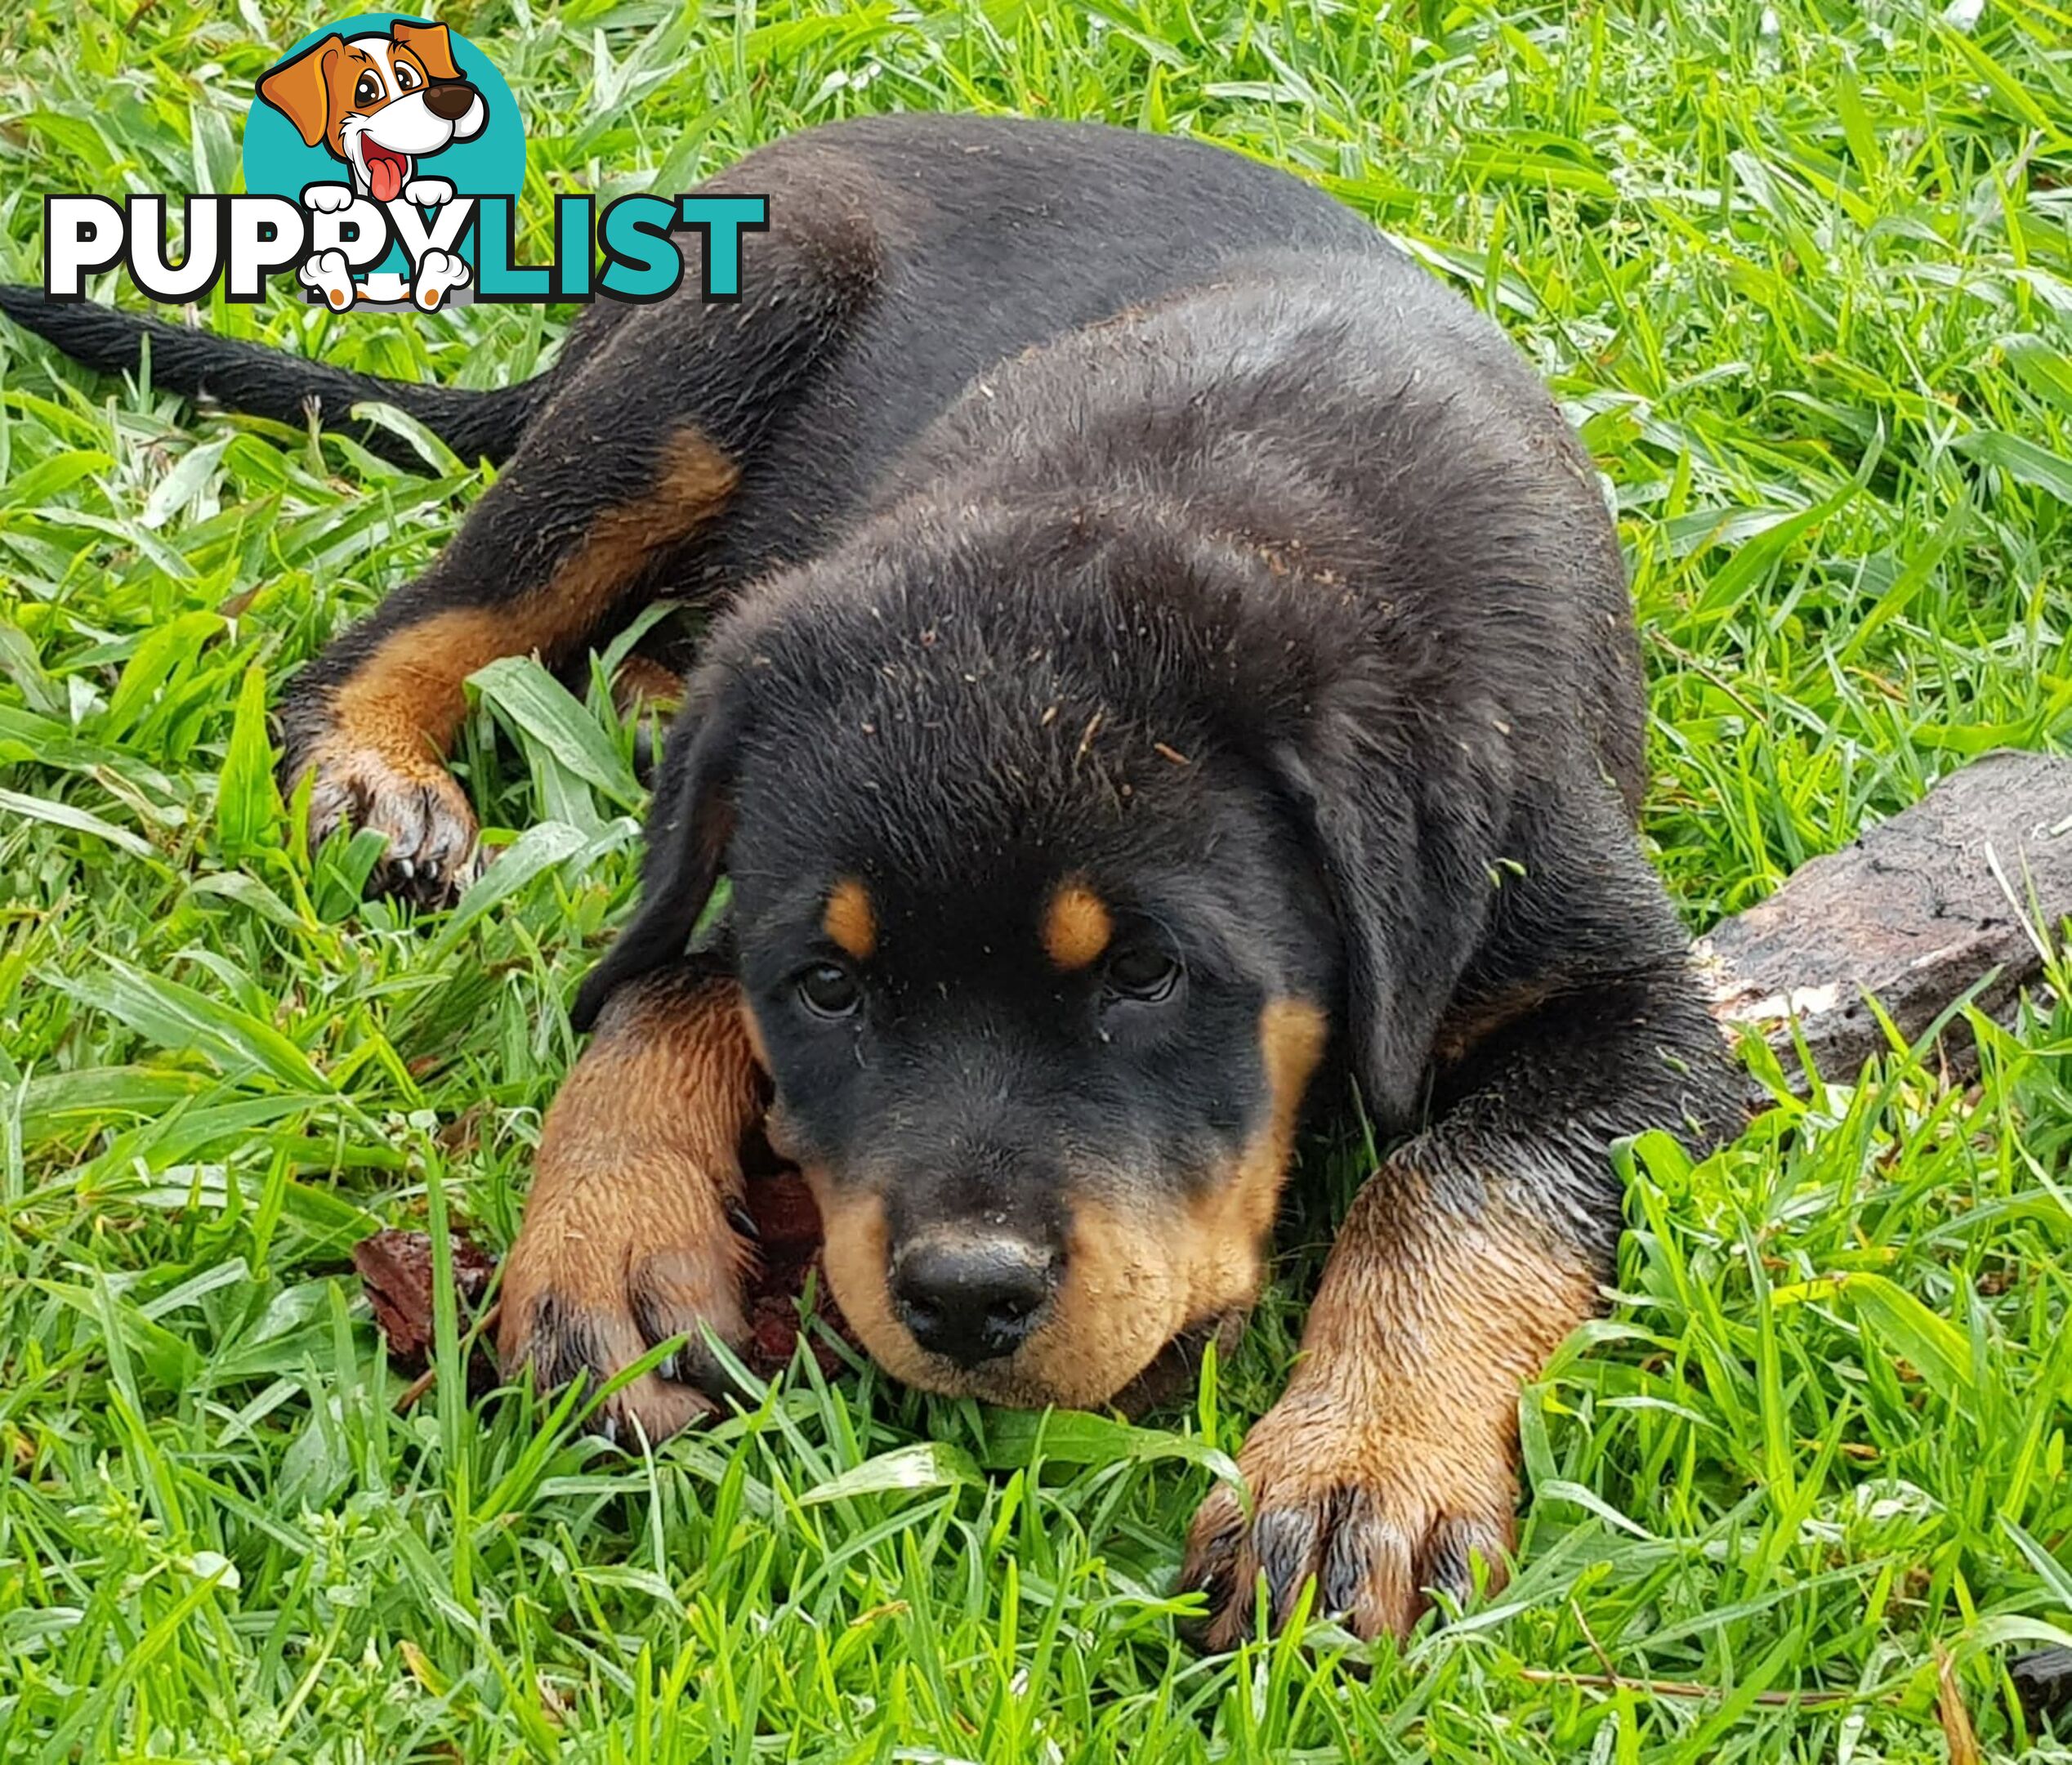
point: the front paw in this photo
(604, 1270)
(428, 192)
(432, 855)
(327, 199)
(1374, 1518)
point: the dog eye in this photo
(1142, 972)
(367, 92)
(828, 990)
(406, 77)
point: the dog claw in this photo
(738, 1216)
(1375, 1520)
(429, 824)
(561, 1336)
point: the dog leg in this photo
(1467, 1257)
(543, 557)
(633, 456)
(646, 686)
(627, 1239)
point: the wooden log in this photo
(2043, 1682)
(1964, 887)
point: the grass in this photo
(1802, 271)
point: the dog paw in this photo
(432, 855)
(439, 273)
(329, 274)
(428, 192)
(1373, 1517)
(608, 1267)
(327, 199)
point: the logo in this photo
(384, 157)
(390, 115)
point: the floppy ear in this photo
(689, 822)
(300, 90)
(431, 44)
(1405, 829)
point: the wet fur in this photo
(1108, 520)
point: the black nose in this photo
(448, 100)
(971, 1299)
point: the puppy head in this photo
(378, 103)
(1045, 860)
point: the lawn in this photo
(1803, 274)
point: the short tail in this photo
(265, 382)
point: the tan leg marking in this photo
(850, 920)
(380, 760)
(627, 1239)
(1133, 1279)
(1390, 1459)
(404, 701)
(406, 697)
(642, 684)
(1077, 926)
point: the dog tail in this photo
(266, 382)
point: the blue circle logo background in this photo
(277, 163)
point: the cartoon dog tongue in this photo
(384, 172)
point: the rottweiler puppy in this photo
(1172, 667)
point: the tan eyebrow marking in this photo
(1077, 925)
(849, 920)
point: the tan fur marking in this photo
(1133, 1279)
(642, 684)
(850, 920)
(1077, 926)
(695, 479)
(1425, 1326)
(1404, 1403)
(1292, 1033)
(1219, 1247)
(638, 1160)
(854, 1255)
(405, 700)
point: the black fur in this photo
(1315, 530)
(1115, 508)
(263, 382)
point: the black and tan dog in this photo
(1175, 658)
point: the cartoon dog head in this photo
(380, 104)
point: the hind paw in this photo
(432, 855)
